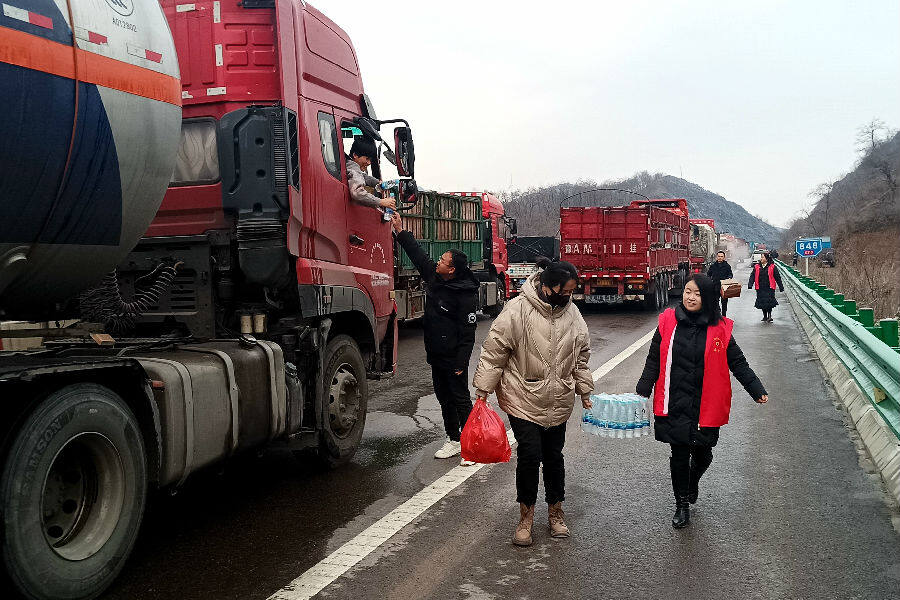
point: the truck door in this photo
(370, 248)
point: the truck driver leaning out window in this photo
(362, 153)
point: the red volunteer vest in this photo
(715, 397)
(770, 271)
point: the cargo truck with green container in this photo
(441, 222)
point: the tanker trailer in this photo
(91, 117)
(91, 102)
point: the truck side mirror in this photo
(405, 151)
(408, 193)
(513, 227)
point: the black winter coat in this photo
(764, 278)
(719, 271)
(765, 295)
(682, 424)
(450, 307)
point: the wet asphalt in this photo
(789, 508)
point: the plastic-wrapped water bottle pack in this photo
(617, 416)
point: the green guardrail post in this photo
(889, 329)
(850, 307)
(837, 301)
(867, 317)
(878, 332)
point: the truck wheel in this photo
(343, 403)
(663, 293)
(651, 297)
(493, 311)
(72, 494)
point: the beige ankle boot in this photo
(558, 527)
(522, 536)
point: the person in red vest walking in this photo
(763, 278)
(687, 373)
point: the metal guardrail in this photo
(872, 363)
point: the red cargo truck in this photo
(497, 231)
(637, 252)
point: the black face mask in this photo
(555, 299)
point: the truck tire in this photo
(651, 297)
(72, 494)
(663, 287)
(345, 394)
(493, 311)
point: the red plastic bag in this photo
(484, 438)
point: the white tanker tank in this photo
(88, 141)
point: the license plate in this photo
(601, 299)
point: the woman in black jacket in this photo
(765, 277)
(687, 374)
(719, 271)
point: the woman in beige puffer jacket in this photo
(536, 359)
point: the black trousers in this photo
(452, 393)
(536, 445)
(688, 463)
(724, 306)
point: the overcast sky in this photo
(756, 100)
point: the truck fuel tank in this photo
(216, 399)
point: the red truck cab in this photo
(258, 211)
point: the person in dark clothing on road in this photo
(764, 277)
(687, 374)
(451, 301)
(718, 271)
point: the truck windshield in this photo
(198, 157)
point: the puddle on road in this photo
(391, 437)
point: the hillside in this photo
(537, 209)
(861, 213)
(866, 200)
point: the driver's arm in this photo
(357, 181)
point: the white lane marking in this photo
(621, 356)
(326, 571)
(344, 558)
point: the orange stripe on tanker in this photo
(32, 52)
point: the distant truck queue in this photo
(643, 252)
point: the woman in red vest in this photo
(764, 278)
(687, 373)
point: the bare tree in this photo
(870, 135)
(822, 194)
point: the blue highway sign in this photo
(809, 247)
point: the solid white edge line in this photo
(621, 356)
(326, 571)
